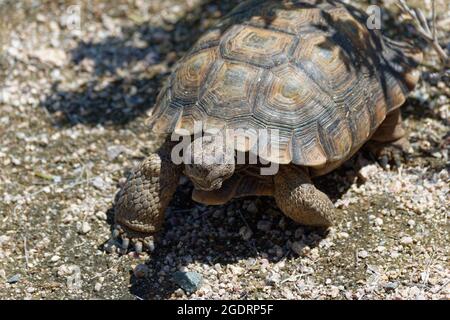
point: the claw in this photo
(138, 247)
(397, 160)
(149, 244)
(384, 161)
(138, 244)
(110, 246)
(118, 227)
(125, 243)
(115, 233)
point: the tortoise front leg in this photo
(389, 143)
(300, 200)
(143, 199)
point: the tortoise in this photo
(309, 69)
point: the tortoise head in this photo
(208, 162)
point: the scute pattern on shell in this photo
(309, 69)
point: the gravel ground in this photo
(72, 108)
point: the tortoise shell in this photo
(310, 69)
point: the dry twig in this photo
(417, 17)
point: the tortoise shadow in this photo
(108, 95)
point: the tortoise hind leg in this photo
(142, 201)
(299, 199)
(389, 143)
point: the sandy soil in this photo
(72, 107)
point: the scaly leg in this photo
(389, 143)
(142, 202)
(299, 199)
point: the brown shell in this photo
(310, 69)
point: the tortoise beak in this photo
(217, 184)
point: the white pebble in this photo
(334, 292)
(98, 286)
(273, 278)
(363, 254)
(101, 215)
(343, 235)
(236, 269)
(411, 223)
(406, 240)
(99, 183)
(84, 228)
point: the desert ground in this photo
(74, 96)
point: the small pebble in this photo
(101, 215)
(236, 269)
(363, 254)
(14, 279)
(342, 235)
(245, 233)
(114, 151)
(188, 281)
(252, 208)
(406, 240)
(84, 228)
(273, 278)
(264, 225)
(390, 286)
(299, 232)
(97, 286)
(98, 183)
(378, 221)
(110, 246)
(278, 251)
(299, 248)
(334, 292)
(140, 271)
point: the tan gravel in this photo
(72, 109)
